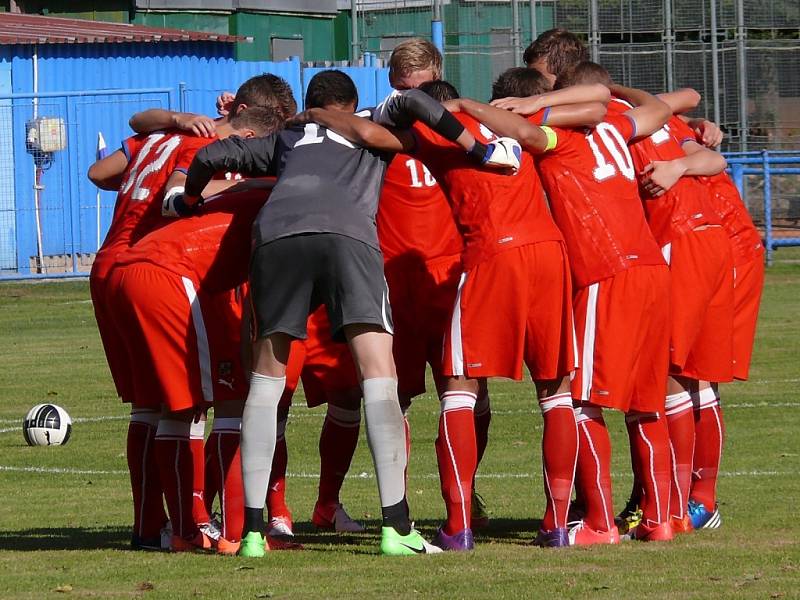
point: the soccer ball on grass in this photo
(47, 425)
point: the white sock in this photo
(259, 432)
(386, 437)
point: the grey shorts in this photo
(292, 276)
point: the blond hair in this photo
(412, 55)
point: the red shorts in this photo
(701, 341)
(324, 366)
(622, 326)
(119, 362)
(185, 343)
(748, 281)
(422, 297)
(514, 307)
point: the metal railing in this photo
(768, 164)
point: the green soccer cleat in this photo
(253, 545)
(394, 544)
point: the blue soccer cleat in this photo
(462, 541)
(702, 518)
(555, 538)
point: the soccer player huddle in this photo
(575, 226)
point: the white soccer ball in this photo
(47, 425)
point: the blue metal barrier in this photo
(761, 163)
(73, 216)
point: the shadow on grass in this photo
(66, 538)
(508, 531)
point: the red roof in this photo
(34, 29)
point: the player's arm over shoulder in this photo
(649, 114)
(504, 123)
(107, 172)
(357, 128)
(156, 119)
(248, 157)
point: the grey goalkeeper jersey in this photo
(326, 184)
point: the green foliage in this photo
(66, 533)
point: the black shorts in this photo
(292, 276)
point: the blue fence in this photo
(767, 166)
(52, 219)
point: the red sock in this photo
(223, 444)
(483, 416)
(637, 492)
(337, 444)
(650, 445)
(176, 472)
(148, 505)
(559, 453)
(708, 440)
(196, 445)
(457, 455)
(276, 493)
(594, 467)
(680, 421)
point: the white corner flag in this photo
(102, 152)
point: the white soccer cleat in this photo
(280, 527)
(334, 517)
(344, 524)
(503, 153)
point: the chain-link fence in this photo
(52, 218)
(743, 56)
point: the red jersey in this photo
(413, 215)
(493, 211)
(212, 248)
(745, 238)
(686, 205)
(138, 208)
(590, 181)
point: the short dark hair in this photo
(583, 73)
(439, 90)
(561, 49)
(262, 120)
(266, 90)
(519, 82)
(331, 87)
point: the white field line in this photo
(18, 422)
(300, 414)
(365, 475)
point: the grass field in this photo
(64, 523)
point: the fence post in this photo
(668, 37)
(437, 28)
(594, 33)
(767, 205)
(516, 33)
(354, 32)
(741, 64)
(714, 60)
(182, 96)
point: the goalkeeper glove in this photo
(502, 153)
(175, 205)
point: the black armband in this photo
(449, 127)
